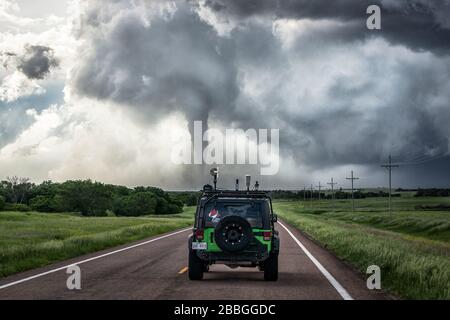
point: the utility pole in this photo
(320, 187)
(332, 184)
(389, 166)
(311, 195)
(304, 194)
(352, 178)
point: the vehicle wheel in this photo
(271, 268)
(233, 234)
(196, 267)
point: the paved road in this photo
(155, 268)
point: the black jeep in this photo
(235, 228)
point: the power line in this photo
(389, 166)
(424, 159)
(420, 158)
(352, 178)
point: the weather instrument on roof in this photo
(215, 173)
(248, 179)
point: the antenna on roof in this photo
(247, 181)
(215, 173)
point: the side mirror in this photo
(274, 217)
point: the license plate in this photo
(199, 246)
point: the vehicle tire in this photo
(271, 268)
(233, 234)
(196, 266)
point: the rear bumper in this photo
(252, 257)
(258, 254)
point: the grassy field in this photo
(411, 245)
(30, 240)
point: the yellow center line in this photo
(183, 270)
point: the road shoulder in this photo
(350, 278)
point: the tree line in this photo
(338, 194)
(358, 194)
(433, 192)
(86, 197)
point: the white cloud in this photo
(16, 85)
(88, 139)
(13, 21)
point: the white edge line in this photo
(339, 288)
(91, 259)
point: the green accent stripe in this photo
(213, 247)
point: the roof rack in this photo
(235, 194)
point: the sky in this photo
(103, 90)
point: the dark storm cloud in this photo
(405, 125)
(36, 62)
(410, 121)
(418, 24)
(173, 64)
(425, 174)
(341, 137)
(344, 9)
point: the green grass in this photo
(411, 246)
(30, 240)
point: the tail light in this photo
(267, 235)
(199, 234)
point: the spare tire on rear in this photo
(233, 233)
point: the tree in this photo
(162, 206)
(169, 206)
(87, 197)
(191, 200)
(173, 208)
(136, 204)
(16, 189)
(47, 203)
(2, 202)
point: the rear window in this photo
(253, 212)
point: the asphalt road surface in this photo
(156, 268)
